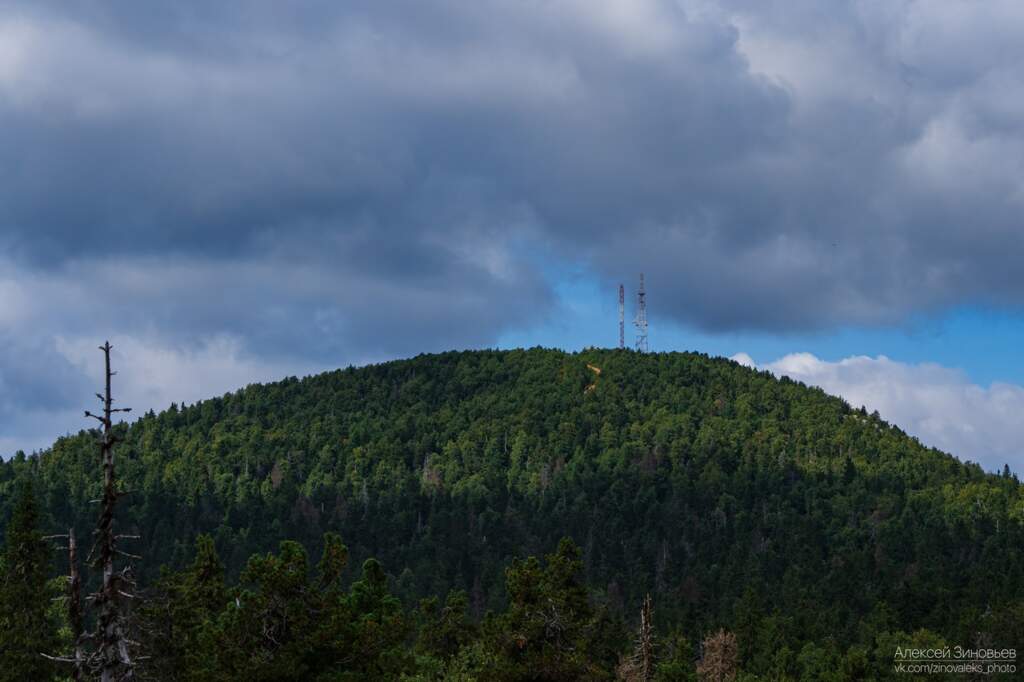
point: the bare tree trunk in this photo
(75, 605)
(111, 656)
(645, 641)
(108, 651)
(640, 666)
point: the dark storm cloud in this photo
(789, 166)
(47, 381)
(324, 181)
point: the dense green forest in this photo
(816, 535)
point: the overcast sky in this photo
(234, 192)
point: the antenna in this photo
(622, 316)
(641, 317)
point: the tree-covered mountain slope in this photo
(733, 497)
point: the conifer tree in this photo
(549, 631)
(26, 630)
(177, 610)
(718, 662)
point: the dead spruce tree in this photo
(640, 666)
(74, 607)
(110, 651)
(719, 661)
(105, 652)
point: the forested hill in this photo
(734, 497)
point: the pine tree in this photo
(176, 611)
(549, 631)
(26, 630)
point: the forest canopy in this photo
(812, 533)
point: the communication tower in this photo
(622, 316)
(641, 317)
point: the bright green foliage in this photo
(549, 631)
(381, 628)
(443, 631)
(282, 625)
(736, 499)
(675, 659)
(176, 611)
(27, 629)
(267, 633)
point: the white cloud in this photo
(152, 374)
(329, 182)
(744, 360)
(937, 404)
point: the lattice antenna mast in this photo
(622, 317)
(641, 317)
